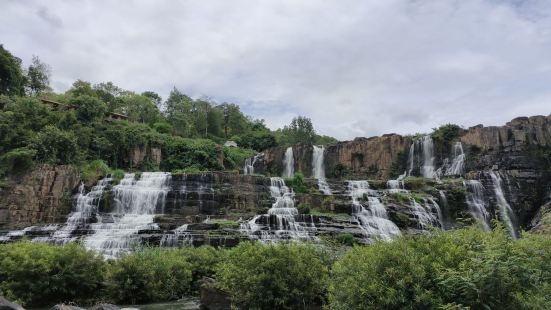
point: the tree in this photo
(178, 111)
(300, 130)
(12, 79)
(38, 76)
(110, 94)
(140, 108)
(89, 108)
(154, 97)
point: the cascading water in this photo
(423, 216)
(288, 163)
(458, 163)
(86, 206)
(248, 168)
(280, 223)
(477, 203)
(395, 186)
(505, 211)
(318, 169)
(421, 156)
(135, 206)
(180, 236)
(373, 220)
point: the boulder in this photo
(8, 305)
(213, 298)
(66, 307)
(105, 307)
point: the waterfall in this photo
(288, 163)
(86, 205)
(436, 207)
(444, 202)
(135, 206)
(318, 169)
(248, 168)
(476, 202)
(421, 155)
(458, 163)
(395, 186)
(179, 236)
(505, 211)
(280, 223)
(424, 217)
(374, 220)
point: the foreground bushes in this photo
(458, 269)
(37, 274)
(450, 270)
(274, 277)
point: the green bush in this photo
(283, 276)
(346, 239)
(16, 160)
(203, 261)
(459, 269)
(303, 208)
(38, 274)
(149, 275)
(55, 146)
(92, 171)
(117, 175)
(297, 183)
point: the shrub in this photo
(303, 208)
(55, 146)
(117, 175)
(203, 261)
(16, 160)
(346, 239)
(149, 275)
(92, 171)
(297, 183)
(40, 274)
(283, 276)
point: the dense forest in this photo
(83, 125)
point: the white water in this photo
(283, 212)
(374, 219)
(505, 211)
(424, 217)
(476, 202)
(288, 163)
(318, 169)
(458, 163)
(248, 168)
(180, 236)
(136, 202)
(86, 206)
(395, 186)
(421, 154)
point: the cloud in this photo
(357, 68)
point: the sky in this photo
(356, 68)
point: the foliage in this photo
(89, 108)
(447, 132)
(40, 274)
(16, 160)
(117, 175)
(235, 157)
(283, 276)
(303, 208)
(55, 146)
(149, 275)
(12, 79)
(38, 76)
(300, 130)
(458, 269)
(346, 239)
(296, 183)
(203, 261)
(92, 171)
(339, 171)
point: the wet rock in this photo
(7, 305)
(105, 307)
(66, 307)
(213, 298)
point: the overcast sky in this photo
(356, 68)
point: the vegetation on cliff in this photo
(78, 126)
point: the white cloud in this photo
(357, 68)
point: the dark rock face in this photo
(362, 156)
(7, 305)
(213, 298)
(41, 196)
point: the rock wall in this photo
(40, 196)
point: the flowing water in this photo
(506, 213)
(280, 222)
(373, 219)
(288, 163)
(477, 203)
(248, 168)
(457, 166)
(424, 217)
(397, 185)
(136, 202)
(318, 169)
(421, 158)
(179, 237)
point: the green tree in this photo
(38, 76)
(89, 108)
(154, 97)
(300, 130)
(141, 109)
(12, 78)
(179, 112)
(55, 146)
